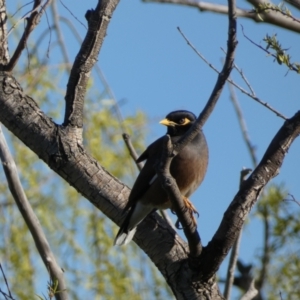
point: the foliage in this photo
(279, 53)
(80, 236)
(282, 236)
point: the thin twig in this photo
(20, 8)
(265, 260)
(242, 75)
(24, 16)
(31, 219)
(243, 126)
(6, 283)
(292, 200)
(132, 152)
(32, 22)
(231, 81)
(66, 7)
(61, 40)
(291, 66)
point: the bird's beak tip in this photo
(165, 122)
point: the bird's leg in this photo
(192, 210)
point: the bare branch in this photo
(265, 104)
(32, 22)
(98, 21)
(295, 3)
(265, 261)
(60, 37)
(169, 184)
(292, 200)
(66, 7)
(132, 152)
(4, 56)
(9, 295)
(207, 6)
(170, 152)
(243, 126)
(31, 219)
(279, 55)
(272, 17)
(239, 208)
(235, 249)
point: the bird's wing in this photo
(147, 174)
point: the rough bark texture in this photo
(4, 57)
(58, 147)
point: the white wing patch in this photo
(153, 178)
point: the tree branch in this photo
(235, 250)
(31, 220)
(251, 95)
(98, 21)
(246, 197)
(4, 56)
(32, 22)
(271, 17)
(170, 152)
(169, 184)
(9, 295)
(243, 126)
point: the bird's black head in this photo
(178, 122)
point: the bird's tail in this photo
(135, 216)
(124, 236)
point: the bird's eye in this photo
(182, 121)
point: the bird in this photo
(188, 168)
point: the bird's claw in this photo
(191, 209)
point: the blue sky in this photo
(148, 63)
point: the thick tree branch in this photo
(271, 17)
(61, 151)
(242, 203)
(31, 220)
(20, 114)
(98, 21)
(52, 143)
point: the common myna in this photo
(188, 168)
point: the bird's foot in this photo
(191, 209)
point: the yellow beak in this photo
(167, 122)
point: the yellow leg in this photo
(191, 208)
